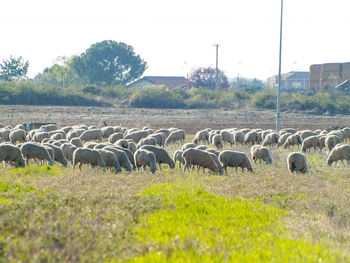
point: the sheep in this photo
(66, 129)
(227, 137)
(282, 139)
(331, 141)
(118, 129)
(115, 137)
(175, 136)
(91, 135)
(259, 152)
(12, 154)
(322, 144)
(188, 146)
(217, 141)
(58, 154)
(132, 147)
(287, 130)
(107, 131)
(57, 136)
(18, 135)
(238, 137)
(296, 162)
(5, 133)
(271, 139)
(49, 127)
(178, 157)
(39, 136)
(201, 159)
(306, 133)
(160, 137)
(339, 153)
(72, 134)
(77, 142)
(137, 135)
(161, 154)
(92, 127)
(32, 150)
(87, 156)
(213, 151)
(147, 141)
(235, 159)
(90, 145)
(251, 137)
(122, 143)
(202, 135)
(110, 159)
(201, 147)
(123, 159)
(145, 158)
(129, 154)
(165, 131)
(292, 140)
(68, 150)
(102, 145)
(245, 131)
(310, 142)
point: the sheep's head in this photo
(329, 162)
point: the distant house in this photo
(292, 81)
(170, 82)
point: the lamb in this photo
(32, 150)
(202, 135)
(331, 141)
(87, 156)
(110, 159)
(12, 154)
(137, 135)
(17, 135)
(175, 136)
(339, 153)
(259, 152)
(91, 135)
(296, 162)
(201, 159)
(188, 146)
(147, 141)
(251, 137)
(235, 159)
(310, 142)
(58, 154)
(123, 159)
(161, 154)
(227, 137)
(115, 137)
(145, 158)
(178, 157)
(271, 139)
(217, 141)
(77, 142)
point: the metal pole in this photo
(217, 67)
(278, 109)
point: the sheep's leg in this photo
(198, 168)
(225, 168)
(160, 168)
(80, 164)
(343, 162)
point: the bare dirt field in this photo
(189, 120)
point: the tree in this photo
(13, 68)
(110, 62)
(206, 78)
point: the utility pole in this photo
(217, 67)
(278, 108)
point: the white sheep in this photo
(165, 131)
(58, 154)
(306, 133)
(175, 136)
(251, 137)
(12, 154)
(87, 156)
(147, 141)
(145, 158)
(17, 135)
(90, 145)
(32, 150)
(188, 146)
(161, 154)
(296, 162)
(77, 142)
(122, 143)
(217, 141)
(331, 141)
(259, 152)
(137, 135)
(310, 142)
(227, 137)
(292, 140)
(271, 139)
(282, 138)
(123, 158)
(200, 158)
(160, 137)
(40, 135)
(107, 131)
(115, 137)
(68, 150)
(91, 135)
(132, 147)
(340, 152)
(49, 127)
(178, 157)
(110, 159)
(238, 137)
(235, 159)
(202, 135)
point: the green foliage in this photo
(109, 62)
(265, 100)
(206, 77)
(13, 68)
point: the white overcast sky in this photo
(174, 37)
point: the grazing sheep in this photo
(160, 137)
(12, 154)
(132, 147)
(201, 159)
(147, 141)
(110, 159)
(107, 131)
(122, 143)
(310, 142)
(5, 134)
(32, 150)
(115, 137)
(49, 127)
(217, 141)
(68, 150)
(39, 136)
(145, 158)
(239, 137)
(178, 157)
(201, 136)
(102, 145)
(91, 135)
(251, 137)
(322, 142)
(129, 154)
(287, 130)
(201, 147)
(331, 141)
(271, 139)
(292, 140)
(123, 159)
(339, 153)
(235, 159)
(282, 139)
(57, 136)
(175, 136)
(161, 154)
(296, 162)
(213, 151)
(188, 146)
(137, 135)
(165, 131)
(227, 137)
(90, 145)
(58, 154)
(18, 135)
(259, 152)
(87, 156)
(306, 133)
(77, 142)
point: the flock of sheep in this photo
(115, 147)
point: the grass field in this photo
(49, 214)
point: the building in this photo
(328, 75)
(291, 81)
(170, 82)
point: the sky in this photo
(176, 37)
